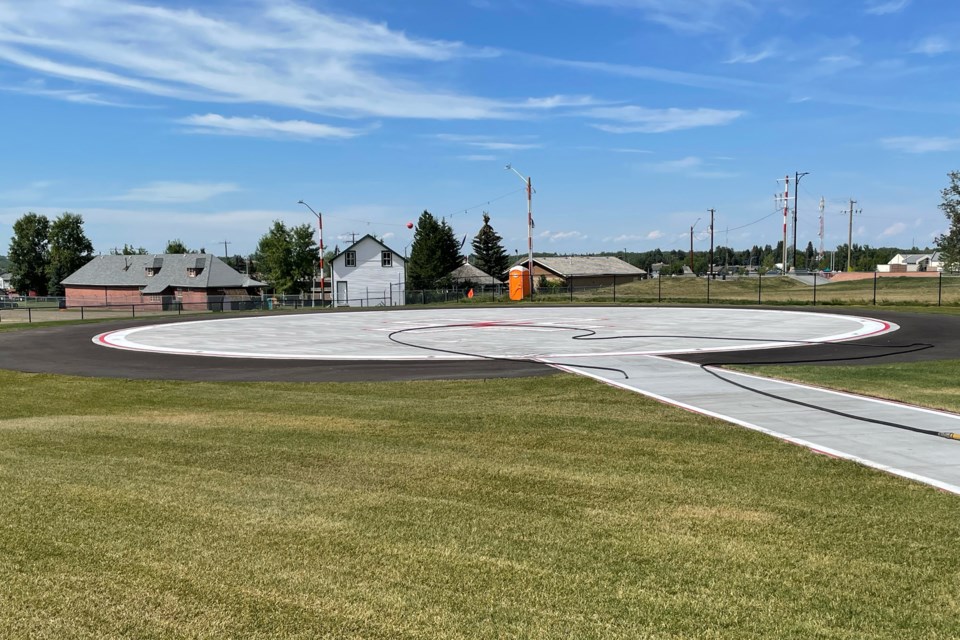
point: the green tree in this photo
(69, 249)
(29, 254)
(949, 243)
(434, 253)
(489, 252)
(286, 257)
(129, 250)
(176, 246)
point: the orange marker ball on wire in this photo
(409, 225)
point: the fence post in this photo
(29, 315)
(133, 311)
(659, 283)
(708, 285)
(570, 288)
(614, 288)
(814, 288)
(759, 287)
(940, 289)
(874, 288)
(81, 312)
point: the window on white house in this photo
(350, 258)
(386, 258)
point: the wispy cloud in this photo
(654, 74)
(690, 165)
(478, 157)
(643, 120)
(920, 144)
(67, 95)
(893, 230)
(177, 192)
(686, 16)
(212, 123)
(884, 7)
(27, 192)
(933, 46)
(486, 143)
(765, 52)
(281, 53)
(554, 236)
(634, 237)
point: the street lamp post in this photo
(313, 296)
(529, 222)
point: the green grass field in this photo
(534, 508)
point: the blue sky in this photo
(207, 120)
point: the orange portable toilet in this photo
(519, 282)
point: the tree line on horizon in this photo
(42, 253)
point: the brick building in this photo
(194, 280)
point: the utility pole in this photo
(313, 295)
(225, 243)
(822, 204)
(529, 222)
(786, 209)
(710, 266)
(850, 236)
(691, 245)
(796, 191)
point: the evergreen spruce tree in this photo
(489, 252)
(949, 243)
(434, 253)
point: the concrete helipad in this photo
(623, 346)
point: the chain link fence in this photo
(845, 289)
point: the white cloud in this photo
(30, 191)
(489, 144)
(554, 236)
(884, 7)
(933, 46)
(644, 120)
(634, 237)
(212, 123)
(766, 51)
(177, 192)
(893, 230)
(683, 164)
(282, 53)
(655, 74)
(919, 144)
(687, 16)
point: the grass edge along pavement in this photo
(925, 384)
(504, 508)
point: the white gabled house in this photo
(368, 273)
(912, 262)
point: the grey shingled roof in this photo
(470, 273)
(131, 271)
(588, 266)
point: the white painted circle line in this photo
(454, 335)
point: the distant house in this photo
(468, 274)
(191, 279)
(584, 271)
(369, 273)
(6, 282)
(912, 262)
